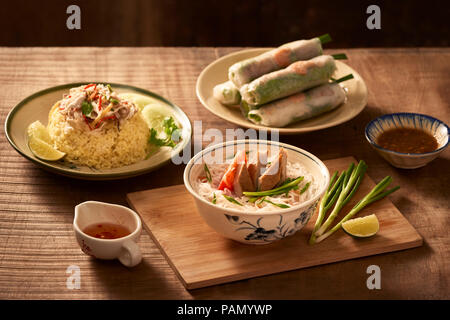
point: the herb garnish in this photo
(86, 108)
(289, 185)
(305, 188)
(208, 174)
(260, 200)
(232, 200)
(214, 200)
(280, 205)
(253, 199)
(172, 134)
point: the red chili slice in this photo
(90, 85)
(87, 122)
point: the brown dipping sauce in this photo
(106, 230)
(407, 140)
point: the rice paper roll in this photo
(247, 70)
(301, 106)
(245, 108)
(299, 76)
(227, 94)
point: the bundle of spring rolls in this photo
(284, 85)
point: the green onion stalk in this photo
(325, 38)
(375, 194)
(339, 56)
(280, 205)
(276, 191)
(344, 78)
(305, 188)
(232, 200)
(352, 180)
(327, 201)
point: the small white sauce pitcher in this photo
(125, 249)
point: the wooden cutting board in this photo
(201, 257)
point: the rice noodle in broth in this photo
(210, 192)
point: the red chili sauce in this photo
(106, 230)
(407, 140)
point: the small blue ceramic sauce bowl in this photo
(438, 129)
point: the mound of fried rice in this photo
(112, 146)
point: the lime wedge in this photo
(40, 143)
(362, 227)
(140, 100)
(38, 130)
(154, 114)
(43, 150)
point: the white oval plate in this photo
(217, 72)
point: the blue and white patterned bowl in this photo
(255, 227)
(433, 126)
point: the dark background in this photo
(223, 23)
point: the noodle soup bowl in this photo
(248, 225)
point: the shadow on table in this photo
(71, 191)
(437, 170)
(141, 282)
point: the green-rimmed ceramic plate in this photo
(217, 72)
(37, 107)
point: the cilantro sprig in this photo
(172, 134)
(86, 108)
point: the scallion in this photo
(352, 180)
(374, 195)
(305, 188)
(325, 38)
(327, 201)
(232, 200)
(208, 174)
(253, 199)
(276, 191)
(344, 78)
(339, 56)
(280, 205)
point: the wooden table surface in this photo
(36, 208)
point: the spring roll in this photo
(227, 94)
(245, 108)
(247, 70)
(300, 106)
(299, 76)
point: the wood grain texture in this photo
(201, 257)
(36, 207)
